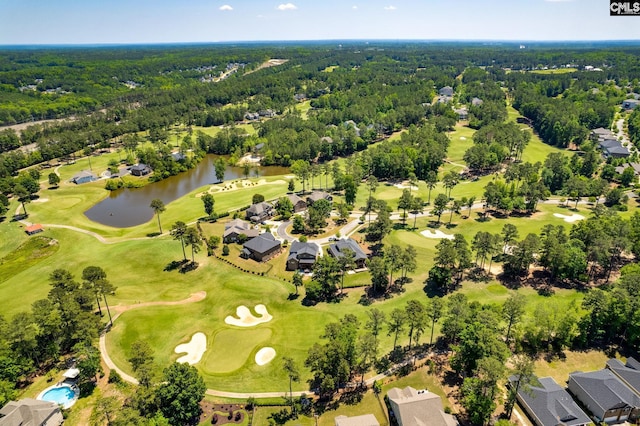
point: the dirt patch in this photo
(218, 414)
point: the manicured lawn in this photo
(555, 71)
(570, 362)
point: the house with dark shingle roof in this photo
(237, 227)
(318, 195)
(630, 103)
(338, 248)
(547, 404)
(605, 396)
(613, 148)
(31, 412)
(261, 248)
(446, 91)
(302, 256)
(476, 101)
(364, 420)
(629, 372)
(140, 170)
(412, 407)
(260, 211)
(298, 203)
(601, 134)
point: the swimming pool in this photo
(63, 395)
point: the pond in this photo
(130, 207)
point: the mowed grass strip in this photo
(29, 253)
(233, 348)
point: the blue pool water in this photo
(61, 395)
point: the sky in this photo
(184, 21)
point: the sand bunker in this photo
(246, 318)
(194, 349)
(265, 356)
(40, 200)
(436, 234)
(462, 138)
(403, 186)
(570, 219)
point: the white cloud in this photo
(287, 6)
(354, 7)
(226, 7)
(391, 7)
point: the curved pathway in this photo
(195, 297)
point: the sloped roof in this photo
(550, 404)
(606, 389)
(295, 199)
(262, 243)
(339, 246)
(84, 173)
(419, 408)
(601, 131)
(258, 208)
(298, 248)
(608, 143)
(36, 227)
(237, 223)
(30, 412)
(319, 195)
(629, 373)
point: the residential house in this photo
(140, 169)
(605, 396)
(252, 116)
(601, 134)
(446, 91)
(178, 156)
(83, 177)
(462, 113)
(318, 195)
(299, 97)
(302, 256)
(261, 248)
(326, 139)
(412, 407)
(630, 103)
(30, 412)
(364, 420)
(629, 372)
(548, 404)
(613, 148)
(298, 203)
(34, 229)
(237, 227)
(476, 101)
(260, 212)
(268, 113)
(634, 166)
(337, 250)
(351, 123)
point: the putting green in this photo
(232, 349)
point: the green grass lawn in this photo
(571, 361)
(554, 71)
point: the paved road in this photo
(282, 231)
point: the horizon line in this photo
(342, 40)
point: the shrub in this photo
(114, 377)
(225, 250)
(113, 184)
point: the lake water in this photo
(130, 207)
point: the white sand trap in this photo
(194, 349)
(402, 186)
(40, 200)
(436, 234)
(462, 138)
(570, 219)
(246, 318)
(265, 356)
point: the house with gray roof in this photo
(260, 212)
(605, 396)
(338, 248)
(411, 407)
(601, 134)
(476, 101)
(83, 177)
(30, 412)
(364, 420)
(298, 203)
(237, 227)
(261, 248)
(629, 372)
(318, 195)
(446, 91)
(630, 103)
(548, 404)
(302, 256)
(613, 148)
(140, 169)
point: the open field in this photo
(554, 71)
